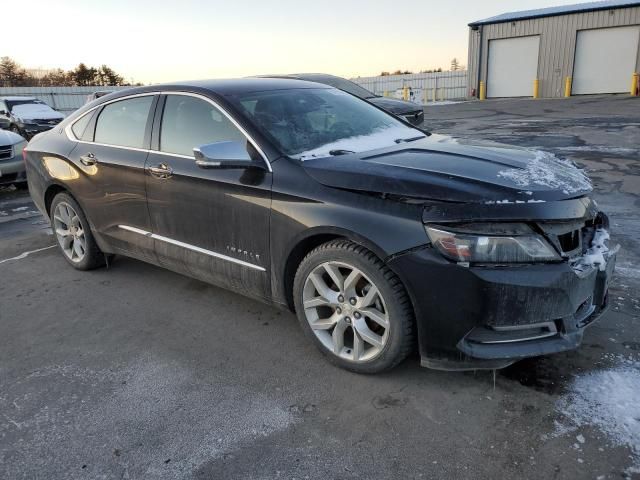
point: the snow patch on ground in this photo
(547, 170)
(609, 401)
(601, 148)
(383, 137)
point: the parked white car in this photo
(11, 163)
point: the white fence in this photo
(422, 87)
(63, 99)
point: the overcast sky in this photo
(166, 40)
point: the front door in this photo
(212, 224)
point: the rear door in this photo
(111, 152)
(210, 223)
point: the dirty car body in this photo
(500, 250)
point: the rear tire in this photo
(353, 307)
(71, 229)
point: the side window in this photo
(80, 126)
(3, 106)
(123, 123)
(189, 122)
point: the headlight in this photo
(491, 248)
(19, 147)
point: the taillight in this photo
(24, 155)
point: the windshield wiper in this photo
(406, 140)
(340, 152)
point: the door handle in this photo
(88, 159)
(161, 171)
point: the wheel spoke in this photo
(336, 276)
(316, 302)
(62, 232)
(78, 247)
(322, 288)
(370, 296)
(375, 315)
(67, 242)
(325, 323)
(358, 346)
(338, 337)
(366, 334)
(351, 280)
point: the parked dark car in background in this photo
(27, 116)
(12, 168)
(378, 235)
(409, 111)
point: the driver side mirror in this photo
(4, 112)
(224, 155)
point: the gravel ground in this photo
(137, 372)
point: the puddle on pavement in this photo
(541, 374)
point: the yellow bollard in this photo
(567, 87)
(635, 82)
(425, 96)
(536, 88)
(405, 93)
(386, 93)
(483, 91)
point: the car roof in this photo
(232, 86)
(18, 98)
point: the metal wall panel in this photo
(425, 87)
(557, 43)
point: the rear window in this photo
(123, 123)
(79, 128)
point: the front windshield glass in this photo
(311, 123)
(14, 103)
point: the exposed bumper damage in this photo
(473, 316)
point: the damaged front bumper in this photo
(489, 316)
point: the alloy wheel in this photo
(346, 311)
(69, 231)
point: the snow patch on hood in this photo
(383, 137)
(608, 400)
(35, 111)
(547, 170)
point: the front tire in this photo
(353, 307)
(71, 228)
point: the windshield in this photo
(13, 103)
(308, 123)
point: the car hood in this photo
(394, 105)
(441, 168)
(9, 138)
(36, 111)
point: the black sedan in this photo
(377, 235)
(409, 111)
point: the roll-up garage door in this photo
(513, 66)
(605, 60)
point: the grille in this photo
(47, 121)
(569, 241)
(6, 152)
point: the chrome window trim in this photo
(73, 138)
(188, 246)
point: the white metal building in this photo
(583, 49)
